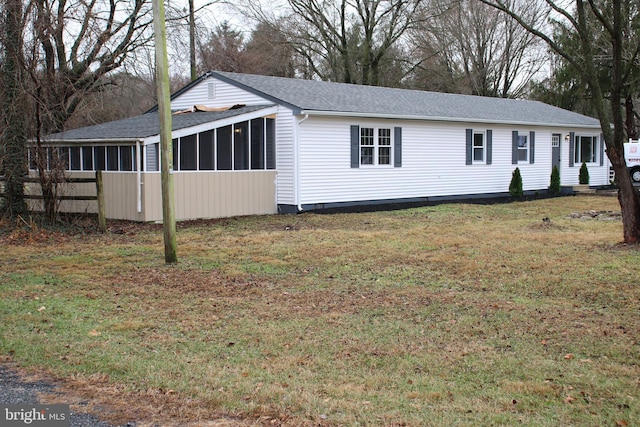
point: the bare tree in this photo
(344, 40)
(484, 52)
(123, 95)
(606, 30)
(72, 49)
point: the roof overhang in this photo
(106, 141)
(442, 119)
(177, 133)
(263, 112)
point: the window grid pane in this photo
(224, 148)
(366, 156)
(366, 136)
(384, 137)
(126, 159)
(87, 158)
(384, 155)
(241, 146)
(101, 158)
(206, 146)
(112, 158)
(188, 153)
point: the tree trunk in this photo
(613, 24)
(13, 152)
(628, 196)
(630, 122)
(629, 199)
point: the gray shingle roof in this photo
(308, 95)
(146, 125)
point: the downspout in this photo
(297, 167)
(139, 166)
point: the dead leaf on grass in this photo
(569, 399)
(568, 356)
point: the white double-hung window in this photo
(524, 144)
(375, 146)
(478, 147)
(523, 148)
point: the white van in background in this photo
(632, 157)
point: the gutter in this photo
(441, 119)
(130, 141)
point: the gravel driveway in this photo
(15, 390)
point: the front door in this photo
(555, 150)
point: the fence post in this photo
(102, 220)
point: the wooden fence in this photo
(99, 196)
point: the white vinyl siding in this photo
(225, 95)
(314, 161)
(286, 156)
(433, 163)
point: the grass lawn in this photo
(455, 314)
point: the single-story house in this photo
(247, 144)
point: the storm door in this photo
(555, 150)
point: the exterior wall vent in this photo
(211, 90)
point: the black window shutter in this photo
(469, 146)
(489, 146)
(355, 146)
(601, 150)
(532, 147)
(397, 147)
(514, 147)
(572, 148)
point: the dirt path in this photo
(16, 389)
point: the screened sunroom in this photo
(223, 164)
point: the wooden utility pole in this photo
(166, 156)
